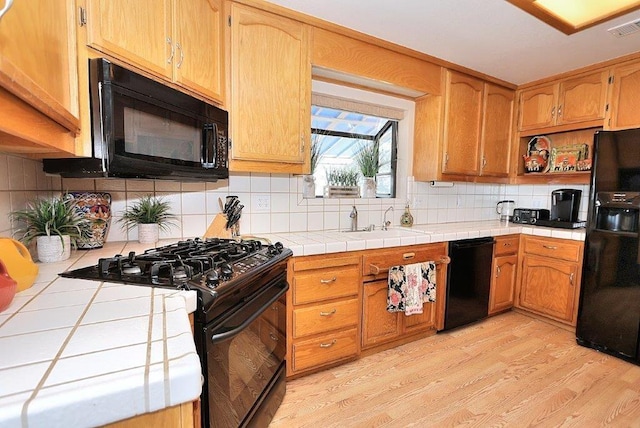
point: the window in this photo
(338, 136)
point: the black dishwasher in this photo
(468, 281)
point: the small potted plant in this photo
(150, 215)
(368, 160)
(309, 181)
(343, 183)
(56, 226)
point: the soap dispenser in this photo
(406, 219)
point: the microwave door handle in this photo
(209, 137)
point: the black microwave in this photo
(143, 129)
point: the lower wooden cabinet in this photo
(504, 273)
(550, 278)
(323, 316)
(380, 326)
(185, 415)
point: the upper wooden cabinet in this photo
(576, 100)
(38, 78)
(625, 93)
(179, 40)
(466, 134)
(270, 92)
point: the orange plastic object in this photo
(18, 262)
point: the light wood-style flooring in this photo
(509, 370)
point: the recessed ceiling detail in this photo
(571, 16)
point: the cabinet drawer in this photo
(555, 248)
(506, 245)
(322, 318)
(322, 284)
(325, 350)
(401, 256)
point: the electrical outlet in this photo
(261, 203)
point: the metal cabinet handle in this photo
(328, 345)
(484, 161)
(507, 244)
(571, 278)
(550, 247)
(7, 5)
(274, 308)
(273, 337)
(328, 314)
(497, 271)
(178, 46)
(553, 111)
(407, 256)
(173, 51)
(328, 281)
(560, 110)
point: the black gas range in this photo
(239, 324)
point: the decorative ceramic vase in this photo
(308, 187)
(96, 208)
(148, 233)
(54, 248)
(368, 187)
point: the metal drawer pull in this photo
(328, 281)
(377, 270)
(328, 314)
(328, 345)
(497, 271)
(507, 244)
(550, 247)
(571, 278)
(7, 5)
(408, 256)
(273, 337)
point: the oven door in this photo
(245, 358)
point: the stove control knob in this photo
(273, 250)
(225, 271)
(212, 279)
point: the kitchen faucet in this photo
(354, 219)
(386, 223)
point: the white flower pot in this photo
(368, 187)
(308, 186)
(52, 249)
(148, 233)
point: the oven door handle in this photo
(252, 313)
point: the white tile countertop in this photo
(77, 353)
(323, 242)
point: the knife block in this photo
(217, 228)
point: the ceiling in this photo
(490, 36)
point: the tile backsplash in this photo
(273, 202)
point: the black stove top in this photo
(213, 266)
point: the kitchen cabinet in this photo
(178, 40)
(469, 130)
(185, 415)
(381, 327)
(270, 92)
(625, 93)
(504, 269)
(550, 277)
(39, 113)
(323, 320)
(576, 100)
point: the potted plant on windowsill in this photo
(309, 181)
(343, 183)
(55, 225)
(368, 160)
(150, 215)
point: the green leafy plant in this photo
(148, 210)
(342, 177)
(368, 159)
(52, 217)
(316, 146)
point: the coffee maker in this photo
(565, 204)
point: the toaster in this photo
(529, 215)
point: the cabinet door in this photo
(503, 283)
(625, 94)
(270, 89)
(538, 107)
(497, 127)
(138, 32)
(463, 109)
(420, 322)
(583, 98)
(549, 287)
(378, 324)
(199, 62)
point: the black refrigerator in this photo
(609, 312)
